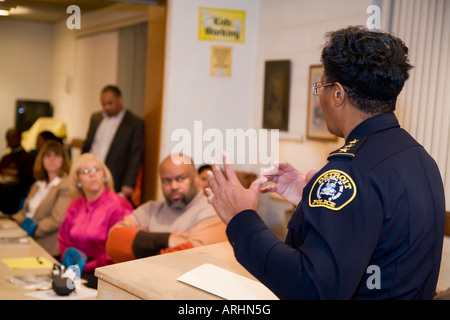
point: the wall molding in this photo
(112, 18)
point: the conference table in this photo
(26, 268)
(21, 257)
(155, 278)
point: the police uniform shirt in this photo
(370, 224)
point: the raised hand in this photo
(227, 194)
(288, 182)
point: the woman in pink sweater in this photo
(90, 216)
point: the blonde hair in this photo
(79, 164)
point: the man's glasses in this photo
(86, 171)
(316, 87)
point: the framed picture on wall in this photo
(220, 61)
(316, 126)
(276, 94)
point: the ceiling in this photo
(55, 10)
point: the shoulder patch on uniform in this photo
(333, 190)
(349, 149)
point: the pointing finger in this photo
(229, 170)
(212, 182)
(218, 174)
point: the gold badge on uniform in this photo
(333, 190)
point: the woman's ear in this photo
(339, 94)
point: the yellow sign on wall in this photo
(221, 25)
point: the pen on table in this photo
(39, 260)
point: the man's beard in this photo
(177, 204)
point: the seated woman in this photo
(46, 204)
(90, 216)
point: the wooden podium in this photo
(155, 278)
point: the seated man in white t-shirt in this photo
(184, 220)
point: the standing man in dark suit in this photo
(116, 136)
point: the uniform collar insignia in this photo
(349, 149)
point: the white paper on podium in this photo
(226, 284)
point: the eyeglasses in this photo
(316, 87)
(86, 171)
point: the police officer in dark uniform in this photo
(370, 223)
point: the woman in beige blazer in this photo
(46, 204)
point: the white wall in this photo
(25, 60)
(190, 93)
(37, 59)
(89, 63)
(95, 66)
(63, 70)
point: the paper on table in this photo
(28, 263)
(33, 281)
(8, 241)
(226, 284)
(82, 293)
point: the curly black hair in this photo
(371, 65)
